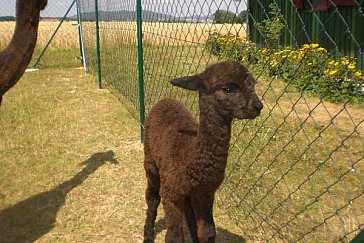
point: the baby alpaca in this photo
(185, 161)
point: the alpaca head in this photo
(227, 88)
(29, 9)
(41, 4)
(31, 5)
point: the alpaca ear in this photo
(193, 83)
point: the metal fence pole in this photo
(79, 31)
(98, 44)
(54, 33)
(80, 37)
(140, 68)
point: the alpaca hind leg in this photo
(173, 208)
(203, 208)
(153, 199)
(191, 220)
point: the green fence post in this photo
(98, 44)
(79, 32)
(359, 238)
(54, 33)
(140, 68)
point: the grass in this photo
(59, 180)
(296, 170)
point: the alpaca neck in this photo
(213, 139)
(25, 34)
(212, 149)
(15, 58)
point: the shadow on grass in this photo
(28, 220)
(222, 235)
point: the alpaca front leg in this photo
(174, 219)
(203, 209)
(152, 198)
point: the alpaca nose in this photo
(256, 103)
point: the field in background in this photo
(155, 33)
(66, 37)
(174, 33)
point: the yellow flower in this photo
(322, 49)
(263, 51)
(314, 45)
(358, 73)
(332, 72)
(351, 66)
(273, 64)
(331, 62)
(345, 61)
(305, 46)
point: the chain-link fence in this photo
(63, 46)
(296, 172)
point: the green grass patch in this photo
(295, 173)
(72, 164)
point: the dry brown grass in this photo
(154, 33)
(51, 122)
(66, 37)
(299, 148)
(177, 33)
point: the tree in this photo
(224, 16)
(242, 17)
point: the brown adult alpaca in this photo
(15, 58)
(185, 161)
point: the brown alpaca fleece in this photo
(15, 58)
(185, 161)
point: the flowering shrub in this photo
(342, 80)
(230, 47)
(308, 68)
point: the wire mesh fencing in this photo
(296, 172)
(64, 44)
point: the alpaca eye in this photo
(228, 89)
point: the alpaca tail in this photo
(191, 220)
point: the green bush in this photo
(231, 47)
(271, 28)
